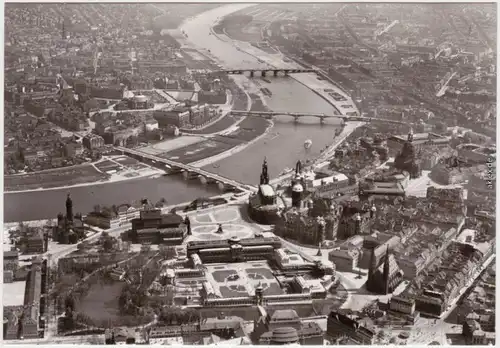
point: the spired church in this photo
(69, 228)
(264, 206)
(383, 278)
(408, 158)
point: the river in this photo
(282, 146)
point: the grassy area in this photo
(107, 165)
(101, 302)
(224, 123)
(58, 177)
(198, 151)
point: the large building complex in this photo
(246, 272)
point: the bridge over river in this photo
(189, 171)
(321, 117)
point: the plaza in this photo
(205, 225)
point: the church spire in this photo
(264, 176)
(410, 134)
(298, 168)
(386, 272)
(69, 208)
(372, 268)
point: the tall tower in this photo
(371, 270)
(264, 175)
(386, 272)
(187, 222)
(69, 208)
(259, 294)
(410, 135)
(297, 193)
(298, 168)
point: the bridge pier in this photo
(322, 120)
(251, 73)
(221, 186)
(296, 119)
(264, 73)
(286, 71)
(203, 180)
(275, 73)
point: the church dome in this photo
(140, 98)
(297, 188)
(283, 335)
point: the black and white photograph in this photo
(288, 173)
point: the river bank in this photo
(282, 146)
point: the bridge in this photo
(189, 171)
(263, 72)
(296, 115)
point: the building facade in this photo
(340, 326)
(153, 227)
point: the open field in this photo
(171, 144)
(108, 165)
(198, 151)
(249, 129)
(124, 166)
(221, 124)
(74, 175)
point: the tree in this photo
(145, 248)
(107, 242)
(69, 303)
(167, 252)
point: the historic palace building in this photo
(305, 279)
(156, 228)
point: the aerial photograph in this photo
(249, 173)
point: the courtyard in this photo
(241, 279)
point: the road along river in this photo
(282, 146)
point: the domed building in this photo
(285, 327)
(408, 158)
(284, 335)
(139, 102)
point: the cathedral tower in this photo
(69, 208)
(386, 272)
(264, 176)
(410, 135)
(372, 268)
